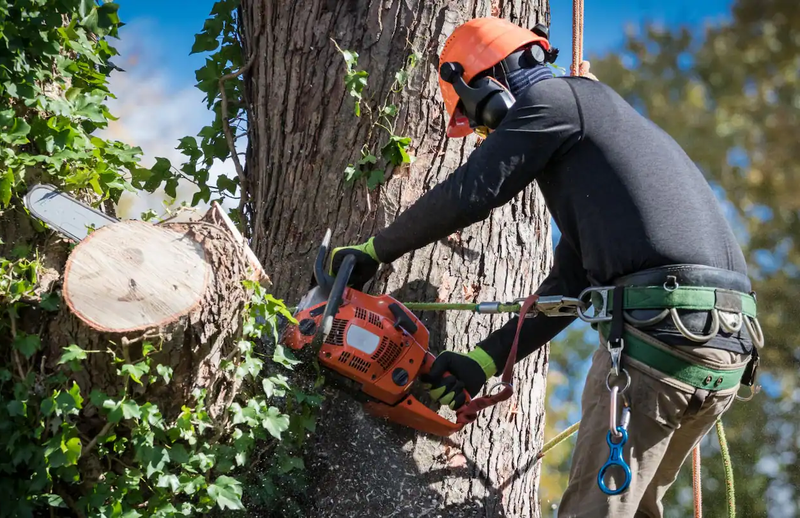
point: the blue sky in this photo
(173, 24)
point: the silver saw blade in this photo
(63, 213)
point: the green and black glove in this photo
(466, 371)
(367, 262)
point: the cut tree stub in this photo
(133, 275)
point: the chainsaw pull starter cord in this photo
(469, 412)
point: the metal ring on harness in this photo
(676, 318)
(759, 340)
(730, 328)
(627, 380)
(646, 322)
(753, 391)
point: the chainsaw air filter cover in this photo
(373, 341)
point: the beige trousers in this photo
(661, 434)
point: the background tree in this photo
(729, 94)
(346, 129)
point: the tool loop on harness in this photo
(676, 319)
(615, 459)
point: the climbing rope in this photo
(577, 36)
(697, 489)
(558, 439)
(726, 461)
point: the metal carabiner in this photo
(615, 459)
(558, 305)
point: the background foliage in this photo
(55, 60)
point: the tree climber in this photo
(635, 212)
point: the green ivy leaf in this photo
(170, 481)
(226, 492)
(275, 386)
(6, 187)
(284, 357)
(27, 344)
(17, 408)
(135, 371)
(287, 463)
(389, 111)
(275, 422)
(165, 371)
(72, 450)
(130, 409)
(351, 173)
(50, 302)
(375, 178)
(204, 42)
(395, 150)
(225, 183)
(72, 353)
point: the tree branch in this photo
(226, 127)
(93, 442)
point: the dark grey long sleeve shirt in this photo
(623, 193)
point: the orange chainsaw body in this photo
(379, 344)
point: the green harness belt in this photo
(690, 298)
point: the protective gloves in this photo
(466, 371)
(366, 266)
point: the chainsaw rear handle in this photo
(324, 280)
(337, 293)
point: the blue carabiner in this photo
(615, 459)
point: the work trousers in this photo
(663, 430)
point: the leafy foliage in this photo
(64, 449)
(395, 152)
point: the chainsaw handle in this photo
(337, 293)
(324, 280)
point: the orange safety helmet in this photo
(477, 46)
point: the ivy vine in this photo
(55, 61)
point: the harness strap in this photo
(673, 366)
(469, 412)
(683, 297)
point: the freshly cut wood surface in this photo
(134, 275)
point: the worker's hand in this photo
(466, 371)
(367, 262)
(583, 70)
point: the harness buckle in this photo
(600, 314)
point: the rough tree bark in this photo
(303, 133)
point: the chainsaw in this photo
(377, 345)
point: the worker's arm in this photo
(567, 278)
(543, 124)
(470, 371)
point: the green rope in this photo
(558, 439)
(440, 306)
(726, 461)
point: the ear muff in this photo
(486, 102)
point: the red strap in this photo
(469, 412)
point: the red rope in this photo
(577, 36)
(696, 487)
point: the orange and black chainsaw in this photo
(376, 343)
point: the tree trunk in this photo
(303, 134)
